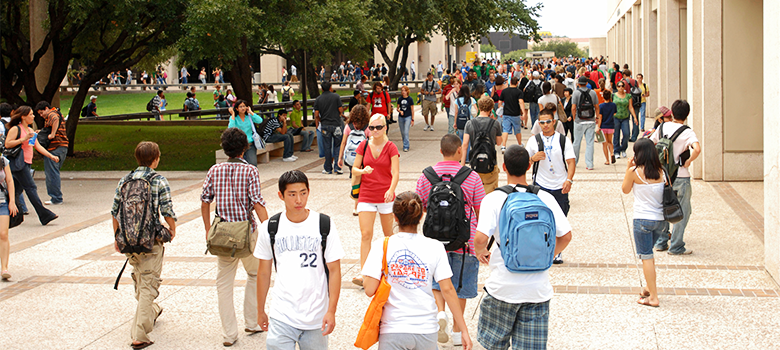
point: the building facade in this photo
(723, 56)
(504, 42)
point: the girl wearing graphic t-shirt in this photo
(377, 162)
(413, 262)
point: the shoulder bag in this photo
(355, 193)
(256, 138)
(231, 239)
(673, 212)
(14, 155)
(369, 331)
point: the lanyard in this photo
(548, 149)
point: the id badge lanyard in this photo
(548, 149)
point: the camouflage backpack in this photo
(139, 224)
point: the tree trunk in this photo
(312, 85)
(75, 113)
(240, 75)
(403, 51)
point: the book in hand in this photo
(600, 137)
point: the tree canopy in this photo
(561, 47)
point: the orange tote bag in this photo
(369, 331)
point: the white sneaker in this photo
(431, 129)
(294, 157)
(617, 155)
(443, 337)
(289, 159)
(456, 339)
(427, 127)
(623, 154)
(503, 149)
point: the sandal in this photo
(644, 293)
(646, 302)
(6, 276)
(358, 281)
(142, 345)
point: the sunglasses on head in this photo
(377, 127)
(545, 121)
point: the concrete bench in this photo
(276, 149)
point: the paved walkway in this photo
(720, 297)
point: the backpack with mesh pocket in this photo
(139, 224)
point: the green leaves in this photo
(562, 48)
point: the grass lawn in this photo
(135, 102)
(110, 147)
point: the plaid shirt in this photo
(161, 193)
(235, 186)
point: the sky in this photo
(564, 17)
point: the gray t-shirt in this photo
(328, 105)
(474, 126)
(430, 86)
(575, 99)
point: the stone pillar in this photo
(38, 16)
(710, 88)
(636, 41)
(628, 45)
(695, 73)
(669, 51)
(650, 55)
(771, 142)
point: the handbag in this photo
(673, 212)
(355, 192)
(15, 151)
(259, 143)
(369, 330)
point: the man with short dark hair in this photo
(58, 146)
(429, 90)
(276, 131)
(514, 110)
(329, 119)
(584, 127)
(686, 150)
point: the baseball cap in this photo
(662, 111)
(536, 74)
(583, 80)
(92, 97)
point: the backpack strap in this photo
(273, 227)
(432, 176)
(462, 175)
(540, 145)
(324, 231)
(678, 132)
(562, 138)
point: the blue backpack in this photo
(527, 230)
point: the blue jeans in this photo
(23, 181)
(642, 116)
(589, 131)
(682, 185)
(621, 128)
(468, 286)
(52, 171)
(403, 124)
(282, 336)
(320, 145)
(331, 144)
(534, 108)
(634, 129)
(250, 156)
(308, 138)
(184, 79)
(646, 232)
(460, 134)
(450, 123)
(288, 143)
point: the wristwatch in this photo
(571, 182)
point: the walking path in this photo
(720, 297)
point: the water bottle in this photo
(32, 139)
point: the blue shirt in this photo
(245, 125)
(607, 110)
(489, 86)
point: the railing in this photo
(123, 87)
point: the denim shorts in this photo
(511, 123)
(470, 275)
(646, 233)
(4, 209)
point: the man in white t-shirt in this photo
(509, 295)
(305, 294)
(687, 147)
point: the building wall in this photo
(504, 42)
(771, 92)
(597, 47)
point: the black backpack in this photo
(84, 111)
(532, 92)
(636, 94)
(540, 145)
(483, 154)
(150, 105)
(286, 94)
(273, 228)
(464, 112)
(446, 219)
(586, 110)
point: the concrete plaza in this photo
(721, 297)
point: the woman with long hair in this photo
(377, 162)
(625, 111)
(646, 177)
(20, 133)
(7, 208)
(607, 110)
(242, 117)
(453, 110)
(409, 318)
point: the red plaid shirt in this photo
(235, 186)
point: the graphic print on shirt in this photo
(378, 101)
(407, 270)
(309, 247)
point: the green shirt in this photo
(622, 106)
(296, 117)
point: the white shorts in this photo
(382, 208)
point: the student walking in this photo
(585, 109)
(7, 209)
(242, 117)
(516, 305)
(482, 134)
(414, 265)
(147, 266)
(512, 101)
(607, 127)
(355, 133)
(57, 144)
(304, 249)
(625, 110)
(378, 165)
(329, 121)
(645, 177)
(406, 114)
(234, 188)
(472, 190)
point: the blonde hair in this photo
(383, 120)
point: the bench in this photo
(264, 156)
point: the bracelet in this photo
(571, 182)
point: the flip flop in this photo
(644, 293)
(6, 276)
(646, 302)
(358, 281)
(142, 345)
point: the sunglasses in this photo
(545, 122)
(621, 85)
(378, 127)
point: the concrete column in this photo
(38, 16)
(695, 73)
(629, 44)
(636, 41)
(771, 142)
(710, 85)
(669, 51)
(650, 55)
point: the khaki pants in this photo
(430, 108)
(226, 275)
(146, 278)
(490, 180)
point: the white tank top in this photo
(648, 200)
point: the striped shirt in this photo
(473, 191)
(60, 136)
(161, 193)
(235, 187)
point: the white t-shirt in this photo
(300, 291)
(536, 129)
(686, 139)
(413, 263)
(549, 98)
(552, 172)
(508, 286)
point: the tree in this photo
(517, 55)
(561, 47)
(487, 48)
(104, 36)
